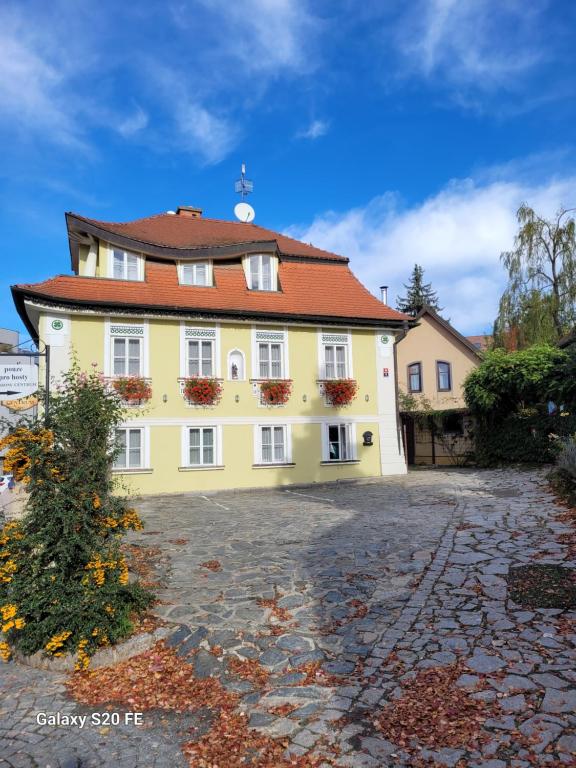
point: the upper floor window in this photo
(335, 361)
(261, 269)
(126, 265)
(270, 360)
(444, 376)
(195, 273)
(127, 356)
(200, 358)
(415, 377)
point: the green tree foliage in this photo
(563, 389)
(539, 303)
(418, 294)
(63, 579)
(507, 383)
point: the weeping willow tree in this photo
(539, 303)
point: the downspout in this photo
(398, 339)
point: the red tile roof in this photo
(308, 289)
(187, 232)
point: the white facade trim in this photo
(264, 420)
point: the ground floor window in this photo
(272, 444)
(338, 443)
(130, 446)
(201, 446)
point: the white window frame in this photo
(270, 336)
(337, 337)
(247, 263)
(200, 333)
(144, 448)
(182, 265)
(185, 446)
(287, 434)
(351, 444)
(139, 264)
(115, 330)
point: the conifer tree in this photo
(418, 294)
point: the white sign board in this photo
(18, 379)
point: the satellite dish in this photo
(244, 212)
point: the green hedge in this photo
(521, 439)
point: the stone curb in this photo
(104, 658)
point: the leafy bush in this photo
(529, 439)
(64, 581)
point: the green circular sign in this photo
(57, 325)
(384, 339)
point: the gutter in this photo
(399, 434)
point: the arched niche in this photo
(236, 365)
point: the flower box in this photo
(133, 389)
(276, 391)
(202, 390)
(340, 392)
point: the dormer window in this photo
(195, 273)
(126, 265)
(261, 272)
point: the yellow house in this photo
(246, 358)
(433, 362)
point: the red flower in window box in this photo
(202, 391)
(340, 392)
(276, 392)
(133, 389)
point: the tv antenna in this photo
(243, 187)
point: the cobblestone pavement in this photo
(413, 565)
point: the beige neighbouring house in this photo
(433, 362)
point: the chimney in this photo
(190, 211)
(384, 294)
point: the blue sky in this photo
(390, 132)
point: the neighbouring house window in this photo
(335, 361)
(260, 269)
(273, 448)
(125, 265)
(130, 445)
(127, 356)
(444, 376)
(339, 442)
(201, 446)
(415, 377)
(270, 360)
(197, 273)
(453, 424)
(200, 358)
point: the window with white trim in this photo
(200, 357)
(195, 273)
(339, 445)
(126, 356)
(130, 448)
(270, 360)
(201, 449)
(335, 361)
(261, 271)
(273, 444)
(126, 265)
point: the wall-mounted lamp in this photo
(164, 398)
(304, 398)
(237, 398)
(367, 436)
(367, 397)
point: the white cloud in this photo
(479, 43)
(315, 130)
(133, 124)
(203, 133)
(457, 235)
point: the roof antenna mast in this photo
(243, 187)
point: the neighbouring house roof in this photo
(481, 342)
(184, 237)
(446, 325)
(319, 287)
